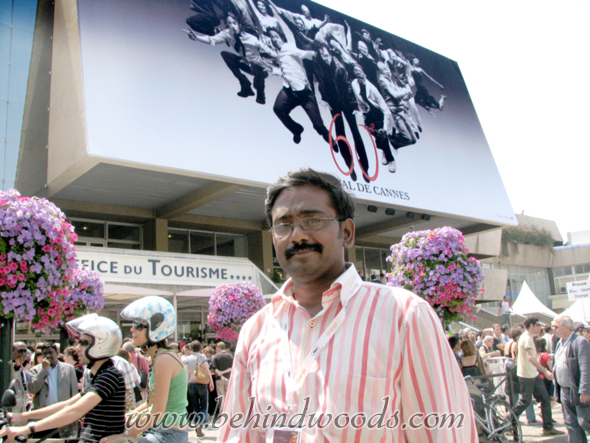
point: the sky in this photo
(526, 65)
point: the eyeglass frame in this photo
(138, 326)
(292, 225)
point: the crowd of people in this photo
(548, 363)
(355, 72)
(101, 377)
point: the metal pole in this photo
(175, 310)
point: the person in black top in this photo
(222, 362)
(102, 403)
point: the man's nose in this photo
(298, 233)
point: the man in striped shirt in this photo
(102, 403)
(334, 358)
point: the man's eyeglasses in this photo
(139, 326)
(84, 343)
(307, 224)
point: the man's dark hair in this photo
(453, 341)
(234, 16)
(515, 332)
(540, 344)
(341, 200)
(277, 30)
(530, 321)
(505, 329)
(123, 353)
(196, 346)
(48, 345)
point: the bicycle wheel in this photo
(503, 422)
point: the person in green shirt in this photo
(165, 419)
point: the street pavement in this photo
(534, 432)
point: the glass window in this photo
(385, 265)
(579, 269)
(229, 245)
(202, 243)
(123, 232)
(178, 241)
(360, 261)
(373, 263)
(88, 229)
(123, 245)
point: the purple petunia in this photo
(37, 264)
(434, 264)
(231, 305)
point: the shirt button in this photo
(311, 324)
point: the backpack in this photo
(201, 375)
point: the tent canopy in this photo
(579, 311)
(527, 303)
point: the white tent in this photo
(579, 311)
(527, 303)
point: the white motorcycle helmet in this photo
(105, 332)
(156, 312)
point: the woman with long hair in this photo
(154, 319)
(471, 363)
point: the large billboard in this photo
(250, 89)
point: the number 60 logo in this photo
(370, 131)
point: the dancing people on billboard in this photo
(296, 89)
(210, 14)
(377, 82)
(304, 31)
(247, 58)
(422, 96)
(264, 15)
(336, 91)
(373, 46)
(367, 62)
(377, 115)
(396, 95)
(400, 68)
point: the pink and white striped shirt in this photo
(387, 375)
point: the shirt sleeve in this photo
(237, 400)
(221, 37)
(431, 383)
(105, 385)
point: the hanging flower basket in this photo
(434, 265)
(87, 292)
(38, 263)
(230, 306)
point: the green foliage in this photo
(526, 235)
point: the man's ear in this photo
(348, 232)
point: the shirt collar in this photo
(344, 287)
(107, 364)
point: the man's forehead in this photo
(302, 200)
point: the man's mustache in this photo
(298, 247)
